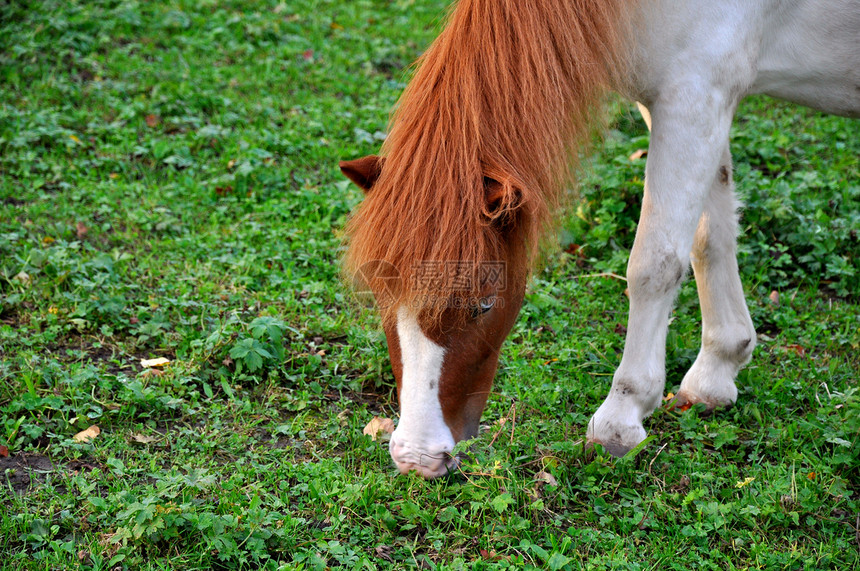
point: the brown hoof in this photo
(615, 449)
(683, 402)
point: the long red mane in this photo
(506, 92)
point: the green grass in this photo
(169, 188)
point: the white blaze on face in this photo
(422, 441)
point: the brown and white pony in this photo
(482, 145)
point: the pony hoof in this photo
(615, 449)
(617, 434)
(684, 401)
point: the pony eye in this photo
(484, 305)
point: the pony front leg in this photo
(688, 136)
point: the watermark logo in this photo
(382, 275)
(457, 276)
(433, 282)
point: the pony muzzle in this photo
(429, 461)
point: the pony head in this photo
(445, 321)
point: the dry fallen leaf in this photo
(378, 425)
(4, 452)
(799, 350)
(88, 434)
(384, 552)
(546, 478)
(493, 556)
(682, 484)
(149, 363)
(638, 154)
(143, 439)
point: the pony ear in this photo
(503, 199)
(363, 171)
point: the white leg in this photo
(728, 336)
(689, 132)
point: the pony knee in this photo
(658, 275)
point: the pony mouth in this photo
(430, 466)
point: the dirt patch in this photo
(108, 356)
(12, 201)
(81, 466)
(23, 471)
(10, 315)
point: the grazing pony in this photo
(482, 145)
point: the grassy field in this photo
(169, 188)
